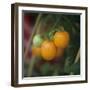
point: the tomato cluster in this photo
(49, 49)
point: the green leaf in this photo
(46, 69)
(75, 68)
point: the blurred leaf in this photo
(67, 65)
(72, 69)
(46, 69)
(75, 68)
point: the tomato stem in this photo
(77, 56)
(31, 65)
(33, 32)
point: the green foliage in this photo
(46, 69)
(72, 69)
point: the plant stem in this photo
(72, 25)
(57, 21)
(33, 58)
(31, 65)
(77, 56)
(33, 32)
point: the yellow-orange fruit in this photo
(48, 50)
(36, 51)
(61, 39)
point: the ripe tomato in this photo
(36, 51)
(48, 50)
(61, 39)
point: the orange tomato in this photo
(36, 51)
(48, 50)
(61, 39)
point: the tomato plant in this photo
(56, 44)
